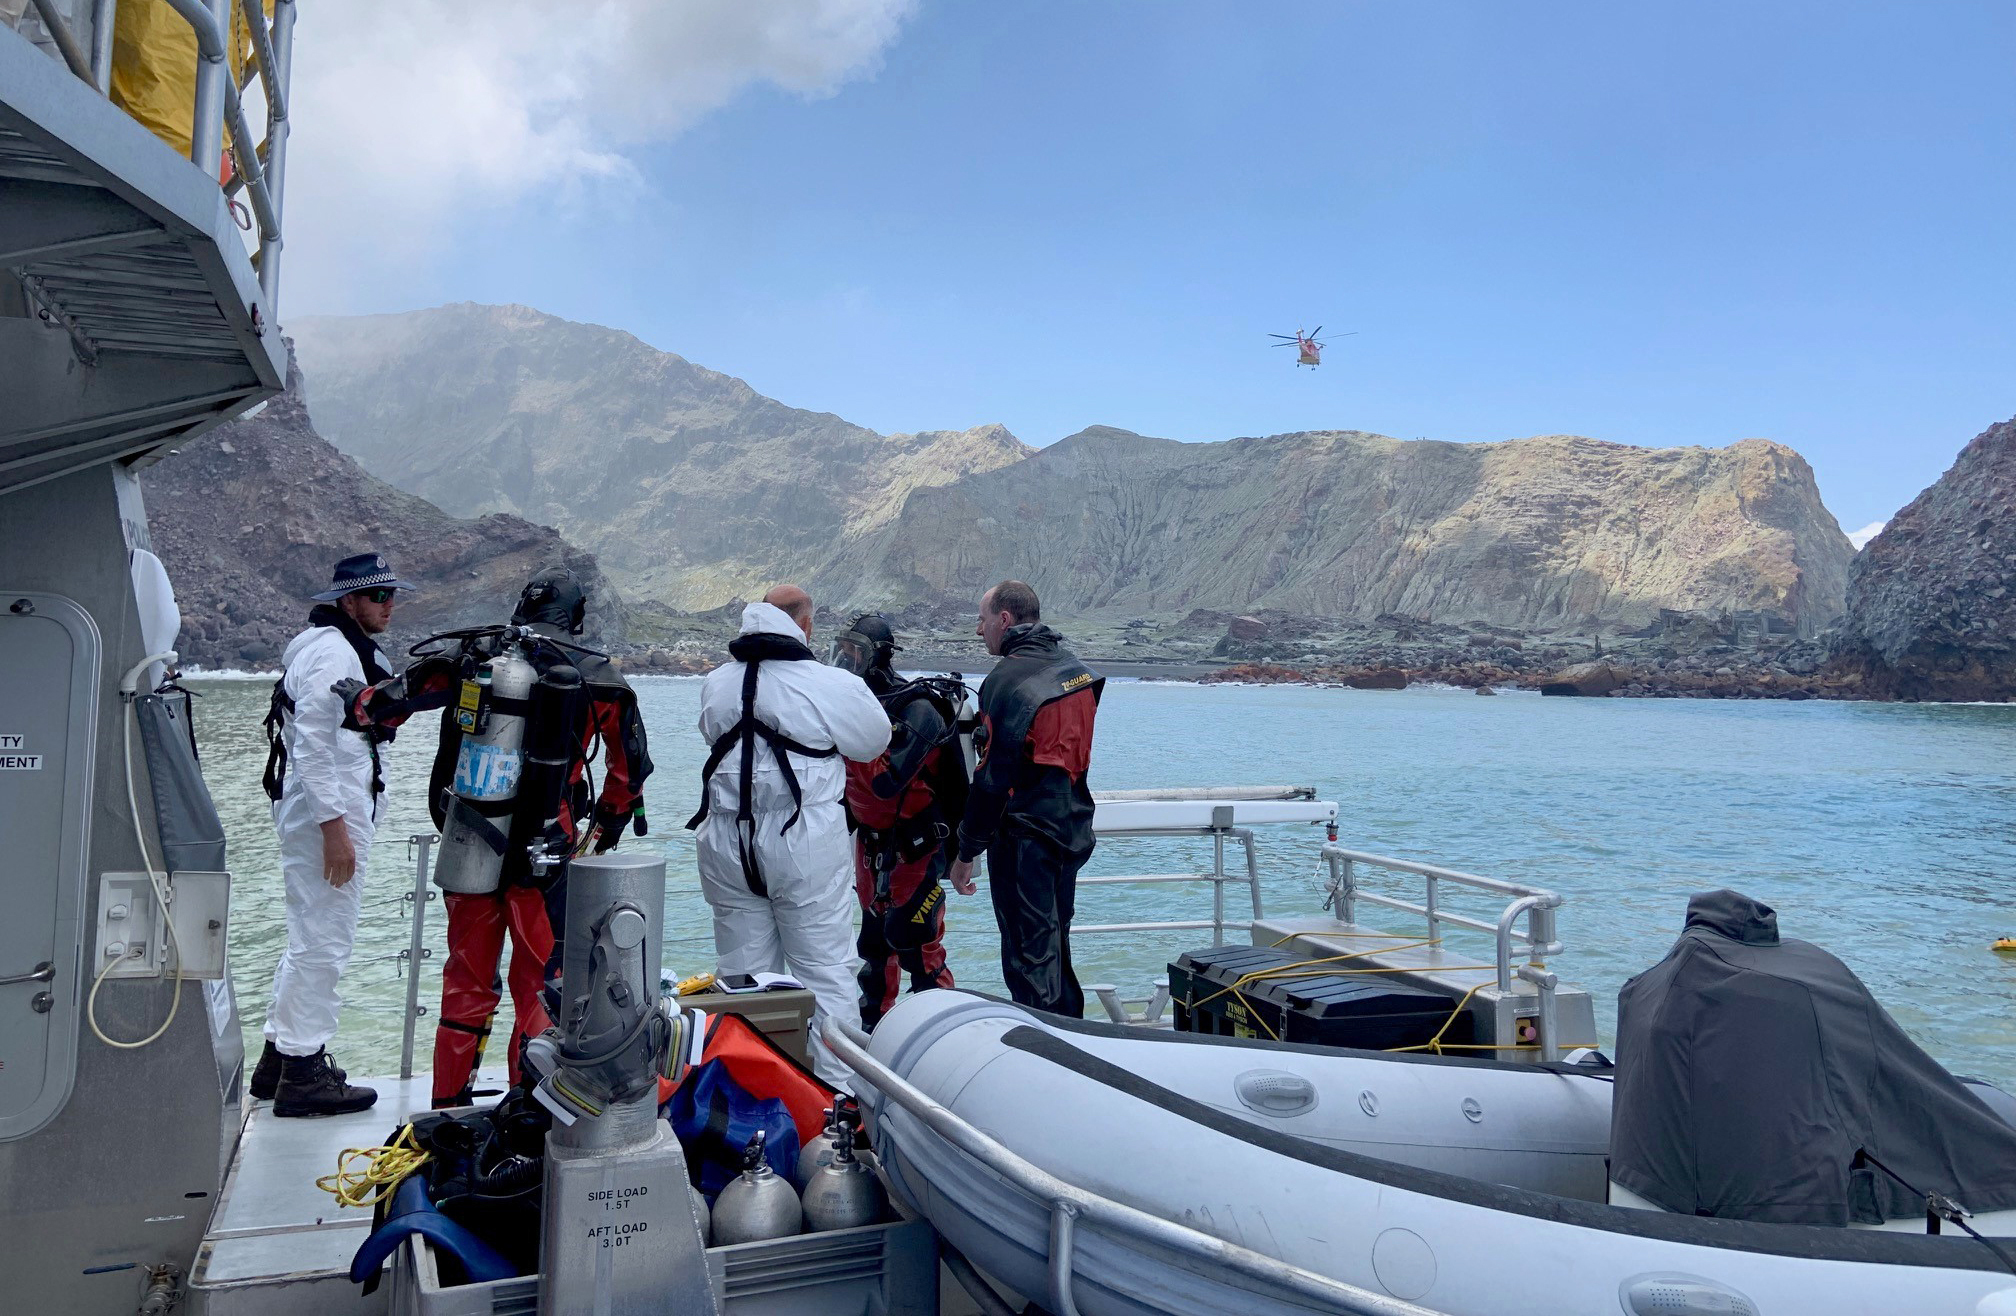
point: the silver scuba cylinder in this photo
(815, 1157)
(477, 823)
(758, 1205)
(701, 1213)
(966, 718)
(844, 1193)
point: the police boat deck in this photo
(277, 1244)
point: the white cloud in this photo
(1866, 533)
(412, 117)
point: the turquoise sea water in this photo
(1882, 832)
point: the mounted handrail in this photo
(218, 105)
(1534, 904)
(1071, 1207)
(66, 40)
(1227, 793)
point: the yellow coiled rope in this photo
(366, 1176)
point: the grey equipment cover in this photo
(192, 839)
(1750, 1071)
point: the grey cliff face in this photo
(1533, 533)
(690, 486)
(1932, 599)
(250, 518)
(693, 489)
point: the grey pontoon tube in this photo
(1068, 1204)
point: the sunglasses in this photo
(377, 595)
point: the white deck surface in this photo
(271, 1221)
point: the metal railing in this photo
(1071, 1207)
(261, 166)
(421, 844)
(1535, 905)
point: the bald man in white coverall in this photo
(794, 913)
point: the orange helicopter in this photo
(1308, 347)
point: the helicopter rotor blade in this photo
(1318, 330)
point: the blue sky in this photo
(1654, 224)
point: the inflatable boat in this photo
(1076, 1101)
(1760, 1078)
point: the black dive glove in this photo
(609, 824)
(347, 690)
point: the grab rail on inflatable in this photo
(1066, 1203)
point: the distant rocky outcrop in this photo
(1586, 679)
(1538, 533)
(250, 518)
(690, 486)
(1932, 599)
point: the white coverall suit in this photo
(805, 927)
(328, 776)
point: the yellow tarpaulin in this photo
(154, 66)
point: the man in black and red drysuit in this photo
(904, 806)
(1030, 808)
(529, 905)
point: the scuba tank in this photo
(965, 721)
(706, 1217)
(478, 807)
(559, 705)
(844, 1193)
(758, 1205)
(812, 1161)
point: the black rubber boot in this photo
(266, 1075)
(311, 1085)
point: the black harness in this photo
(924, 717)
(752, 651)
(274, 779)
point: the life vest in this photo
(752, 651)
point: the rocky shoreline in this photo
(1678, 656)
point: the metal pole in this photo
(1245, 835)
(1434, 923)
(104, 19)
(1063, 1223)
(254, 14)
(415, 950)
(276, 153)
(1550, 1041)
(66, 40)
(1218, 887)
(1505, 922)
(211, 20)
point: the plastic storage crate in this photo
(878, 1270)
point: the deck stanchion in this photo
(415, 951)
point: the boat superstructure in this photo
(132, 316)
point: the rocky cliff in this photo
(1532, 533)
(694, 489)
(1932, 599)
(250, 518)
(689, 485)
